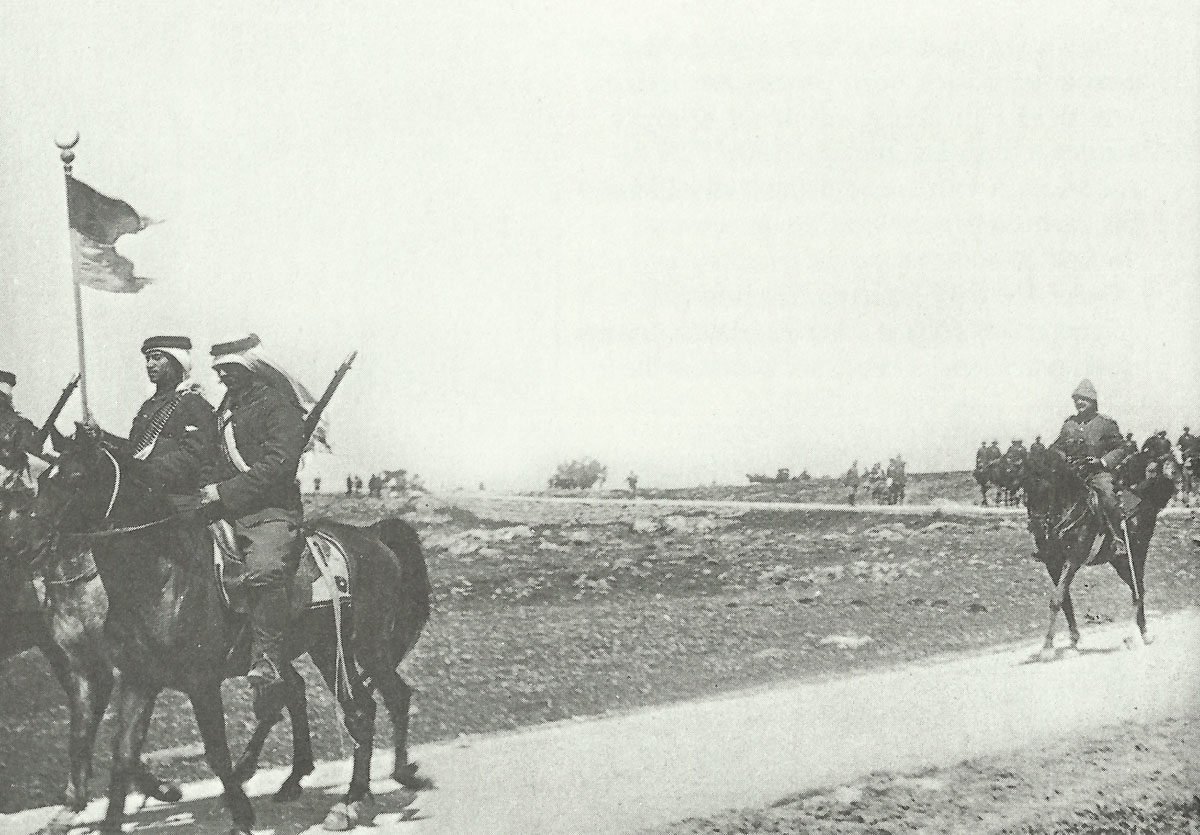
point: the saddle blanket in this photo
(324, 574)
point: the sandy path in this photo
(649, 767)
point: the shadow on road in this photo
(207, 816)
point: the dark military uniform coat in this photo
(185, 454)
(1091, 434)
(268, 433)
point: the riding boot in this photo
(268, 618)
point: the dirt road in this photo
(651, 767)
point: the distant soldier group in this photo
(883, 486)
(1094, 440)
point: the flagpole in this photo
(67, 156)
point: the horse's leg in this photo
(1057, 596)
(81, 734)
(397, 697)
(210, 718)
(134, 706)
(358, 708)
(1067, 606)
(302, 760)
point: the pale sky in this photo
(694, 240)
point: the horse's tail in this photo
(416, 589)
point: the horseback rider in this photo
(1093, 442)
(1187, 444)
(262, 435)
(19, 438)
(1037, 449)
(1131, 446)
(981, 455)
(1158, 445)
(174, 433)
(1016, 452)
(993, 452)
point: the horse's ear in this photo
(58, 441)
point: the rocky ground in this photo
(547, 611)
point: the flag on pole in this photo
(96, 223)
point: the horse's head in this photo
(1050, 482)
(76, 493)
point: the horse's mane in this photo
(1051, 483)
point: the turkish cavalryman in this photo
(19, 438)
(1016, 454)
(1158, 445)
(261, 425)
(1037, 448)
(1187, 444)
(981, 456)
(1094, 443)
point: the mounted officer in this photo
(1158, 445)
(1037, 449)
(981, 456)
(1093, 442)
(1016, 453)
(1131, 446)
(994, 453)
(19, 438)
(262, 436)
(1187, 444)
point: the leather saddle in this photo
(325, 576)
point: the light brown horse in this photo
(66, 623)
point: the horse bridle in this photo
(112, 502)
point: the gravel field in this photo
(548, 611)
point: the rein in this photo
(112, 501)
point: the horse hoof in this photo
(166, 792)
(341, 818)
(365, 810)
(289, 791)
(406, 775)
(1147, 638)
(1047, 655)
(62, 822)
(1131, 642)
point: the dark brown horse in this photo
(169, 627)
(1065, 530)
(65, 620)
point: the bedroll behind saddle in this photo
(324, 577)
